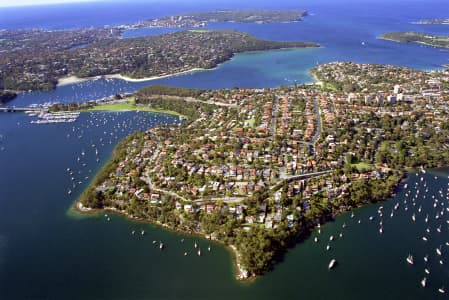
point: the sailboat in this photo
(332, 264)
(410, 259)
(423, 282)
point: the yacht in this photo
(423, 282)
(332, 264)
(441, 290)
(410, 259)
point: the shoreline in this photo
(68, 80)
(412, 42)
(241, 274)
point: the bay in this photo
(49, 252)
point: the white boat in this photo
(199, 252)
(316, 240)
(426, 258)
(410, 259)
(381, 230)
(195, 245)
(427, 271)
(332, 264)
(208, 248)
(441, 290)
(185, 253)
(328, 247)
(331, 238)
(413, 218)
(438, 251)
(161, 246)
(423, 282)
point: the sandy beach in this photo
(74, 79)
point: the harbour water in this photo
(49, 252)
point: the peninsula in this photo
(36, 60)
(417, 37)
(257, 169)
(201, 19)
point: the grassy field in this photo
(362, 167)
(131, 106)
(199, 30)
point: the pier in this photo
(23, 109)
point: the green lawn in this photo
(363, 167)
(131, 106)
(199, 30)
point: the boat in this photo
(413, 218)
(208, 248)
(331, 238)
(316, 240)
(332, 264)
(381, 230)
(427, 271)
(424, 239)
(195, 245)
(426, 258)
(142, 232)
(185, 253)
(199, 252)
(441, 290)
(410, 259)
(438, 250)
(423, 282)
(328, 247)
(161, 246)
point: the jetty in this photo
(23, 109)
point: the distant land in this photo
(38, 59)
(417, 37)
(201, 19)
(433, 22)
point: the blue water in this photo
(340, 27)
(46, 252)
